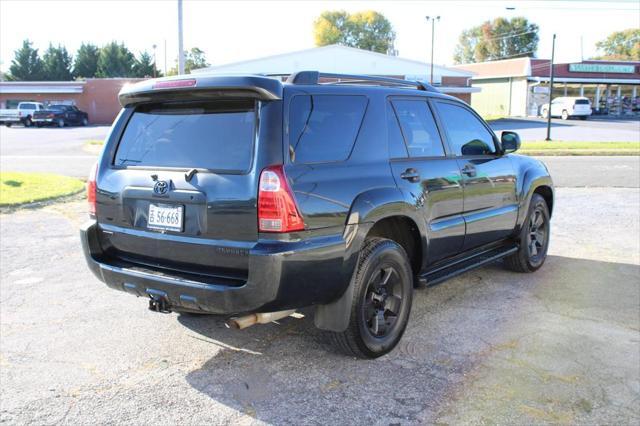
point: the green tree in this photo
(145, 67)
(86, 63)
(26, 65)
(367, 30)
(498, 39)
(621, 45)
(194, 58)
(57, 64)
(115, 60)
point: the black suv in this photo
(251, 197)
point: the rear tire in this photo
(60, 123)
(383, 290)
(8, 124)
(27, 122)
(534, 238)
(565, 115)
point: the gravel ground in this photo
(558, 346)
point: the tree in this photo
(86, 64)
(145, 67)
(57, 64)
(498, 39)
(367, 30)
(621, 45)
(194, 58)
(26, 65)
(115, 60)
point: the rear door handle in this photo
(411, 175)
(469, 170)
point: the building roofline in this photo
(327, 47)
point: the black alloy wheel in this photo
(534, 238)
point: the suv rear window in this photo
(216, 135)
(323, 128)
(582, 102)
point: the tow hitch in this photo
(159, 305)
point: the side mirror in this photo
(510, 142)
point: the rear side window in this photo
(582, 102)
(208, 135)
(28, 106)
(418, 128)
(323, 128)
(467, 135)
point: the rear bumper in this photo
(282, 275)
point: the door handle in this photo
(411, 175)
(469, 170)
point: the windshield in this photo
(216, 135)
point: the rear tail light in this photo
(91, 190)
(277, 210)
(172, 84)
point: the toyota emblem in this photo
(161, 187)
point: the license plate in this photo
(165, 217)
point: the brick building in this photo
(97, 96)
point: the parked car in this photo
(23, 114)
(251, 198)
(566, 107)
(60, 115)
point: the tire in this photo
(85, 121)
(583, 117)
(545, 113)
(8, 124)
(60, 123)
(534, 236)
(27, 122)
(383, 290)
(565, 114)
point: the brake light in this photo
(91, 190)
(277, 210)
(174, 83)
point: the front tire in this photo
(565, 115)
(85, 122)
(382, 296)
(60, 123)
(534, 238)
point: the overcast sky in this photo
(230, 31)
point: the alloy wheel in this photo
(383, 301)
(538, 235)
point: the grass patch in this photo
(22, 188)
(96, 142)
(490, 117)
(579, 148)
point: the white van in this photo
(568, 106)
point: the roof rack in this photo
(313, 77)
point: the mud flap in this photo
(335, 316)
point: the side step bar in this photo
(460, 266)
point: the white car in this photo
(566, 107)
(23, 114)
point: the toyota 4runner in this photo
(250, 197)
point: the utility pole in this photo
(433, 20)
(180, 46)
(553, 52)
(154, 60)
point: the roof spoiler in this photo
(192, 87)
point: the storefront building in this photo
(98, 97)
(519, 87)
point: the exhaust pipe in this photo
(239, 323)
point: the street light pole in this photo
(433, 20)
(180, 46)
(154, 61)
(551, 74)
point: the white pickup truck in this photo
(23, 114)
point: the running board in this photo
(443, 273)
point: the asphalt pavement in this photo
(560, 346)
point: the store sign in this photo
(602, 68)
(541, 89)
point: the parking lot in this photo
(560, 346)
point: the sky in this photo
(230, 31)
